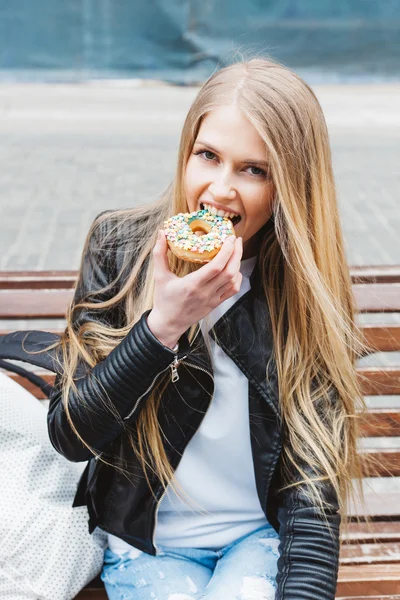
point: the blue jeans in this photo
(245, 570)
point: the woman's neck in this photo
(251, 247)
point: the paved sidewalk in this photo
(70, 151)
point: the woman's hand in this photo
(179, 302)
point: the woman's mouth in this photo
(234, 217)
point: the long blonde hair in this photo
(304, 276)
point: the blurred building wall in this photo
(184, 40)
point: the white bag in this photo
(46, 551)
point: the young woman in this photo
(216, 403)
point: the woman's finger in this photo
(212, 269)
(229, 289)
(160, 258)
(232, 267)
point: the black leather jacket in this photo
(309, 554)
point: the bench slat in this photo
(23, 279)
(382, 422)
(382, 337)
(380, 597)
(30, 301)
(34, 304)
(37, 280)
(377, 297)
(381, 462)
(92, 594)
(356, 554)
(377, 381)
(368, 580)
(375, 273)
(376, 530)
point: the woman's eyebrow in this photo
(250, 161)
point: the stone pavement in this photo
(69, 151)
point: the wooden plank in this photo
(37, 280)
(370, 297)
(382, 462)
(32, 280)
(92, 594)
(358, 554)
(380, 597)
(375, 273)
(377, 297)
(93, 591)
(374, 531)
(378, 505)
(31, 304)
(368, 580)
(378, 381)
(381, 422)
(65, 278)
(382, 337)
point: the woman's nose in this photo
(222, 188)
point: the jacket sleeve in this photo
(309, 546)
(112, 392)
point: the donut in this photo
(197, 236)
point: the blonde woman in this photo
(216, 404)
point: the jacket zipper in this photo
(175, 377)
(165, 490)
(174, 373)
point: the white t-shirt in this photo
(216, 468)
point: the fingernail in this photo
(160, 232)
(232, 239)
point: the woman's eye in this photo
(207, 153)
(259, 171)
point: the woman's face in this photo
(228, 170)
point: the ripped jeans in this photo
(243, 570)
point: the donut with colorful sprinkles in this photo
(197, 236)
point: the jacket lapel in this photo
(244, 333)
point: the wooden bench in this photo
(369, 562)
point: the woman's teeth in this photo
(234, 217)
